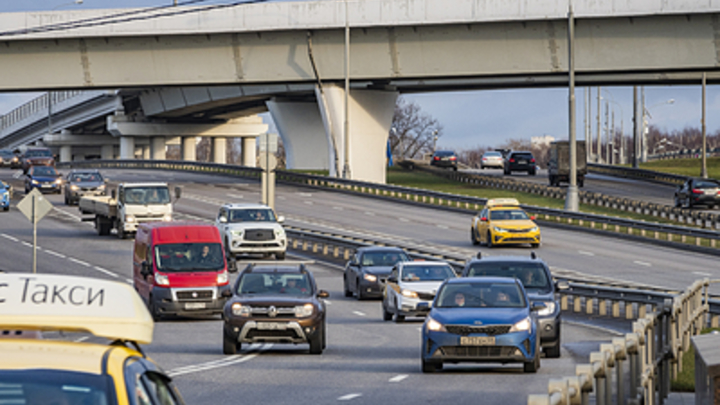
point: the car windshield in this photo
(38, 153)
(184, 257)
(531, 275)
(275, 284)
(522, 156)
(387, 258)
(426, 273)
(54, 387)
(85, 177)
(147, 195)
(44, 171)
(252, 215)
(480, 295)
(706, 184)
(444, 153)
(6, 154)
(509, 215)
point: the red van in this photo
(179, 268)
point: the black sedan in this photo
(698, 192)
(81, 183)
(444, 158)
(367, 270)
(44, 178)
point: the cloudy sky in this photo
(481, 118)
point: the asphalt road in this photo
(367, 360)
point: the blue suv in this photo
(481, 320)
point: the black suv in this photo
(277, 303)
(535, 276)
(444, 158)
(698, 192)
(521, 161)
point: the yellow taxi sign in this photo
(56, 302)
(499, 202)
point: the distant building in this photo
(542, 140)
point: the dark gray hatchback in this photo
(535, 276)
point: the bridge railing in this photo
(34, 106)
(705, 240)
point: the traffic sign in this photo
(34, 206)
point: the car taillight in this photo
(532, 160)
(696, 191)
(512, 160)
(453, 158)
(437, 158)
(484, 158)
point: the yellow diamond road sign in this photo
(34, 206)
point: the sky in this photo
(473, 119)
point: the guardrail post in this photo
(598, 360)
(620, 355)
(609, 351)
(584, 373)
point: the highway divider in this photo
(638, 174)
(705, 240)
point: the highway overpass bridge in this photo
(182, 72)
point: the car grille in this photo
(263, 312)
(259, 234)
(520, 230)
(528, 240)
(288, 333)
(477, 351)
(426, 296)
(491, 330)
(199, 295)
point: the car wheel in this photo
(348, 293)
(399, 318)
(430, 366)
(473, 236)
(230, 346)
(531, 172)
(386, 314)
(67, 202)
(677, 202)
(154, 311)
(506, 172)
(554, 351)
(6, 208)
(489, 240)
(280, 256)
(534, 365)
(689, 203)
(316, 344)
(120, 233)
(360, 295)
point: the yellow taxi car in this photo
(52, 372)
(503, 222)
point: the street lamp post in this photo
(622, 119)
(435, 138)
(68, 4)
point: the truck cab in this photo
(179, 268)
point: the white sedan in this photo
(411, 288)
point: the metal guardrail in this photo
(703, 238)
(653, 352)
(34, 106)
(684, 153)
(640, 174)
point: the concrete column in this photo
(219, 150)
(249, 145)
(371, 113)
(301, 128)
(107, 152)
(157, 144)
(66, 153)
(189, 151)
(146, 152)
(127, 147)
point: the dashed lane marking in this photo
(106, 271)
(404, 220)
(338, 208)
(26, 244)
(12, 238)
(56, 254)
(442, 226)
(584, 253)
(398, 378)
(127, 280)
(349, 397)
(700, 273)
(368, 213)
(308, 202)
(239, 196)
(80, 262)
(228, 361)
(358, 313)
(646, 264)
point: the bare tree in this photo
(413, 131)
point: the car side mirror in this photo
(537, 306)
(178, 192)
(226, 293)
(223, 220)
(392, 279)
(562, 285)
(145, 269)
(323, 294)
(280, 219)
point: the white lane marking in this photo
(12, 238)
(327, 302)
(240, 196)
(305, 194)
(700, 273)
(646, 264)
(398, 378)
(372, 214)
(308, 202)
(589, 326)
(108, 272)
(56, 254)
(217, 363)
(404, 220)
(82, 339)
(280, 197)
(338, 208)
(26, 244)
(349, 397)
(442, 226)
(80, 262)
(17, 175)
(358, 313)
(73, 216)
(584, 253)
(127, 280)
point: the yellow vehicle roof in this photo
(502, 202)
(22, 354)
(45, 302)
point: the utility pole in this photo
(585, 121)
(636, 129)
(644, 127)
(611, 148)
(598, 148)
(607, 131)
(622, 142)
(704, 130)
(346, 141)
(571, 200)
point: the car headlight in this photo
(129, 218)
(549, 309)
(58, 181)
(15, 160)
(101, 187)
(167, 217)
(161, 279)
(238, 232)
(522, 326)
(34, 182)
(222, 278)
(409, 293)
(240, 309)
(499, 229)
(434, 326)
(74, 188)
(279, 232)
(370, 277)
(534, 229)
(303, 311)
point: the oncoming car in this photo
(411, 288)
(65, 372)
(503, 222)
(481, 320)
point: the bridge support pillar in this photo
(66, 153)
(145, 152)
(157, 145)
(303, 134)
(127, 147)
(219, 150)
(189, 151)
(371, 113)
(248, 151)
(107, 152)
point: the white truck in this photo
(251, 229)
(129, 205)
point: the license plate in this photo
(522, 162)
(271, 326)
(477, 340)
(46, 185)
(195, 305)
(710, 192)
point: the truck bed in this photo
(98, 205)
